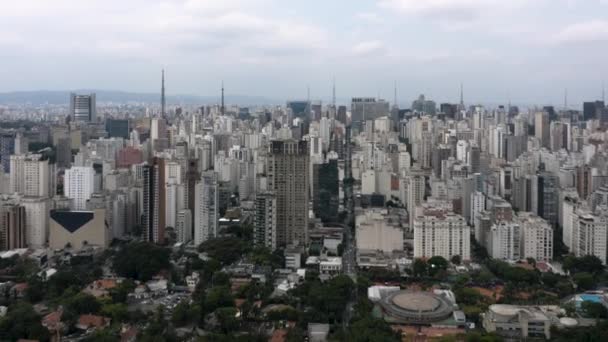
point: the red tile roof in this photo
(90, 321)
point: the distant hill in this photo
(104, 96)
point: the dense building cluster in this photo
(336, 189)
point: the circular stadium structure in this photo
(416, 307)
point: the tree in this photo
(22, 322)
(550, 279)
(103, 335)
(61, 281)
(371, 329)
(217, 297)
(584, 281)
(594, 310)
(437, 264)
(121, 291)
(226, 250)
(340, 249)
(329, 298)
(456, 260)
(595, 333)
(468, 296)
(35, 290)
(117, 312)
(419, 268)
(83, 303)
(185, 313)
(587, 263)
(141, 260)
(227, 319)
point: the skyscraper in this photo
(153, 216)
(7, 148)
(592, 110)
(79, 182)
(12, 231)
(325, 190)
(206, 211)
(299, 109)
(37, 221)
(183, 226)
(118, 128)
(83, 107)
(368, 108)
(288, 178)
(265, 221)
(541, 128)
(416, 185)
(547, 186)
(162, 95)
(30, 175)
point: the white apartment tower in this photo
(79, 185)
(183, 226)
(537, 237)
(589, 235)
(415, 194)
(36, 221)
(30, 175)
(206, 207)
(438, 232)
(505, 241)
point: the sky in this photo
(528, 51)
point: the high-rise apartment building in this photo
(265, 221)
(7, 148)
(545, 190)
(440, 232)
(537, 237)
(206, 207)
(13, 231)
(79, 185)
(36, 220)
(83, 107)
(326, 190)
(183, 226)
(30, 175)
(287, 171)
(589, 234)
(541, 128)
(416, 186)
(153, 215)
(505, 241)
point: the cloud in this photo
(456, 15)
(591, 31)
(455, 9)
(368, 16)
(369, 47)
(161, 28)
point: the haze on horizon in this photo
(525, 50)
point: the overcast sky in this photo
(530, 50)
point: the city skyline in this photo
(265, 48)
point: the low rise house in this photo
(86, 322)
(332, 265)
(517, 322)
